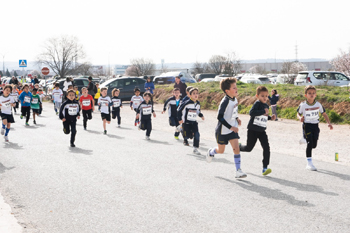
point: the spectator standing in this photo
(273, 101)
(91, 88)
(66, 83)
(149, 85)
(182, 86)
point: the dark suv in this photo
(80, 82)
(126, 85)
(200, 77)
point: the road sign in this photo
(22, 63)
(45, 71)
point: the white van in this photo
(322, 78)
(284, 78)
(255, 78)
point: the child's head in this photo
(229, 86)
(71, 94)
(36, 86)
(7, 89)
(14, 88)
(274, 92)
(262, 94)
(188, 90)
(194, 94)
(310, 93)
(57, 86)
(97, 85)
(104, 91)
(176, 93)
(75, 88)
(115, 92)
(147, 96)
(35, 91)
(40, 90)
(137, 91)
(70, 87)
(25, 88)
(84, 90)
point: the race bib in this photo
(72, 111)
(27, 99)
(34, 101)
(104, 103)
(147, 110)
(86, 103)
(6, 104)
(116, 103)
(192, 115)
(312, 115)
(261, 121)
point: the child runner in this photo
(135, 102)
(26, 98)
(87, 104)
(172, 104)
(35, 104)
(57, 95)
(144, 113)
(104, 102)
(69, 112)
(98, 93)
(77, 93)
(41, 95)
(273, 101)
(227, 128)
(308, 113)
(187, 114)
(14, 94)
(6, 102)
(259, 114)
(117, 104)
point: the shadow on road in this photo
(40, 125)
(94, 131)
(331, 173)
(124, 128)
(3, 168)
(215, 160)
(158, 142)
(78, 150)
(115, 136)
(298, 186)
(13, 146)
(267, 192)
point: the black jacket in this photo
(68, 110)
(182, 86)
(258, 110)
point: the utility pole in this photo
(296, 51)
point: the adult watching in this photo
(149, 85)
(182, 86)
(91, 88)
(65, 86)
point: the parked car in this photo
(145, 77)
(169, 77)
(80, 82)
(126, 85)
(255, 78)
(200, 77)
(322, 78)
(221, 76)
(285, 78)
(206, 80)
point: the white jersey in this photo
(57, 95)
(311, 113)
(14, 95)
(6, 104)
(104, 103)
(136, 101)
(228, 109)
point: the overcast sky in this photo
(177, 31)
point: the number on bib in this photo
(72, 111)
(27, 99)
(260, 121)
(86, 103)
(312, 115)
(192, 115)
(34, 101)
(116, 103)
(147, 111)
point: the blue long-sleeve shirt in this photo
(25, 98)
(274, 99)
(149, 85)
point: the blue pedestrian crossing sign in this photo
(22, 63)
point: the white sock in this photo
(309, 160)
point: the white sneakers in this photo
(208, 157)
(6, 138)
(311, 167)
(195, 151)
(148, 138)
(240, 174)
(302, 141)
(2, 131)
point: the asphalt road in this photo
(121, 182)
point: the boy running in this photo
(309, 113)
(6, 102)
(172, 104)
(77, 93)
(135, 102)
(104, 102)
(144, 113)
(259, 115)
(117, 104)
(41, 95)
(87, 104)
(35, 104)
(57, 95)
(69, 112)
(227, 128)
(14, 94)
(26, 98)
(187, 114)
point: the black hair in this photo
(34, 89)
(137, 89)
(275, 91)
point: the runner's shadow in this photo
(158, 142)
(40, 125)
(215, 160)
(94, 131)
(77, 150)
(13, 145)
(3, 168)
(267, 192)
(331, 173)
(123, 128)
(115, 136)
(298, 186)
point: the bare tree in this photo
(232, 65)
(341, 63)
(286, 67)
(61, 55)
(85, 69)
(199, 68)
(257, 69)
(143, 66)
(296, 67)
(217, 63)
(132, 71)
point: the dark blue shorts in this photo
(223, 139)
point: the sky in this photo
(177, 31)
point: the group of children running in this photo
(183, 114)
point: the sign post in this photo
(45, 71)
(22, 63)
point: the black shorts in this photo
(106, 117)
(189, 129)
(7, 117)
(311, 131)
(173, 121)
(36, 111)
(223, 139)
